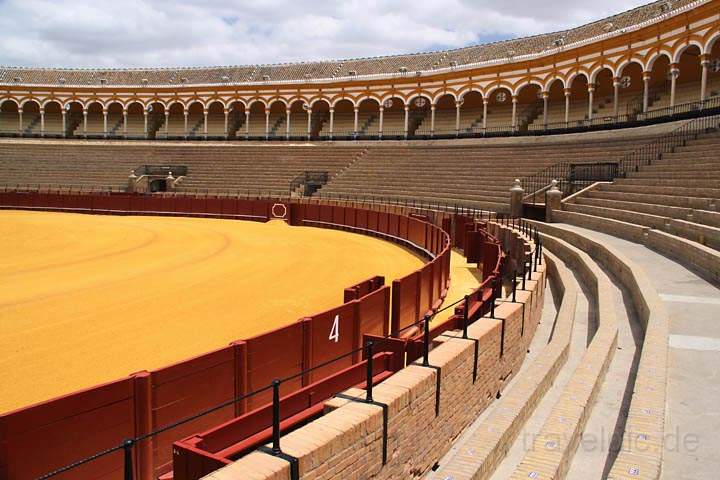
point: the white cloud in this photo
(108, 33)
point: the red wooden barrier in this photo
(328, 335)
(101, 417)
(373, 312)
(188, 387)
(34, 440)
(273, 355)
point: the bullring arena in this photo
(495, 262)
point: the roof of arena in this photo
(419, 64)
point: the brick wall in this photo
(347, 441)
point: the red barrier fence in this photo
(124, 204)
(37, 439)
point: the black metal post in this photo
(492, 304)
(540, 249)
(514, 285)
(369, 377)
(537, 255)
(524, 272)
(465, 316)
(127, 449)
(276, 417)
(426, 342)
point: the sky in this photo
(162, 33)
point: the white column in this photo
(309, 125)
(145, 114)
(105, 129)
(64, 122)
(380, 126)
(355, 122)
(42, 122)
(485, 104)
(205, 125)
(247, 123)
(432, 120)
(591, 90)
(568, 92)
(287, 123)
(514, 112)
(185, 114)
(332, 121)
(646, 91)
(545, 97)
(20, 120)
(705, 63)
(407, 114)
(616, 96)
(457, 118)
(167, 122)
(225, 128)
(85, 113)
(125, 120)
(674, 72)
(267, 123)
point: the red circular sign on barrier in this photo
(279, 207)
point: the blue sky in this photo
(145, 33)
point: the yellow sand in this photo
(465, 279)
(88, 299)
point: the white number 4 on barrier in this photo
(335, 330)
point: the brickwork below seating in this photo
(347, 441)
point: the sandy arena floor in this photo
(88, 299)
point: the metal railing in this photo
(629, 119)
(572, 177)
(666, 143)
(370, 348)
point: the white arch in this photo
(233, 101)
(580, 73)
(93, 101)
(28, 100)
(596, 72)
(711, 43)
(519, 88)
(360, 100)
(340, 99)
(320, 99)
(144, 106)
(549, 83)
(454, 96)
(651, 61)
(465, 90)
(249, 104)
(9, 99)
(418, 95)
(681, 49)
(275, 100)
(626, 63)
(51, 100)
(212, 101)
(494, 88)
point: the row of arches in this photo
(607, 93)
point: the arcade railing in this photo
(629, 119)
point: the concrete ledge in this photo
(500, 429)
(628, 231)
(552, 450)
(640, 456)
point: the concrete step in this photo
(651, 208)
(662, 190)
(670, 200)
